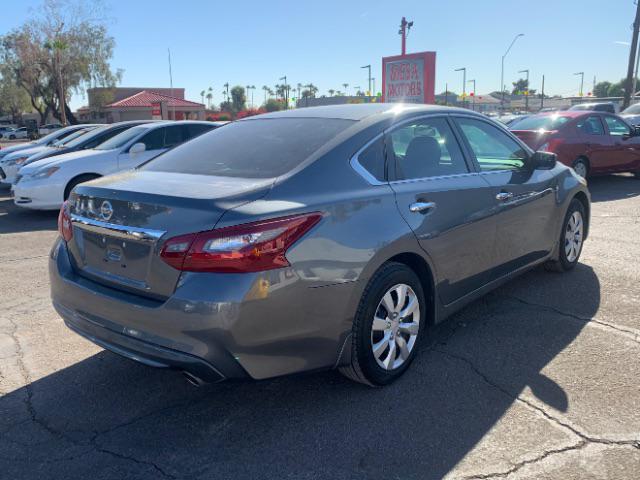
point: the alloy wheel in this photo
(573, 236)
(395, 327)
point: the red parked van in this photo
(593, 143)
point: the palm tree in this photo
(202, 95)
(209, 99)
(345, 85)
(266, 91)
(331, 92)
(299, 88)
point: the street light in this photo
(369, 67)
(502, 69)
(473, 103)
(581, 82)
(526, 92)
(286, 92)
(464, 82)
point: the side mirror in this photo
(544, 160)
(137, 148)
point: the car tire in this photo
(567, 256)
(76, 181)
(402, 337)
(581, 167)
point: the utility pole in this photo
(373, 92)
(526, 92)
(369, 67)
(171, 82)
(502, 70)
(464, 83)
(581, 82)
(404, 31)
(286, 92)
(632, 59)
(473, 94)
(542, 97)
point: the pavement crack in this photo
(135, 460)
(583, 436)
(631, 334)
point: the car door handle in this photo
(504, 196)
(419, 207)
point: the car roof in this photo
(160, 123)
(358, 111)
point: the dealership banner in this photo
(409, 78)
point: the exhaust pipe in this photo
(193, 380)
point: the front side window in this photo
(590, 126)
(154, 140)
(426, 148)
(173, 136)
(493, 148)
(617, 127)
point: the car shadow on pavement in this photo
(108, 417)
(23, 220)
(613, 187)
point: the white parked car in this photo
(47, 128)
(45, 184)
(12, 163)
(15, 134)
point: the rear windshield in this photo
(257, 148)
(542, 122)
(66, 142)
(79, 140)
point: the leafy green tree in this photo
(238, 99)
(64, 48)
(522, 86)
(602, 89)
(14, 99)
(273, 105)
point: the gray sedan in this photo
(317, 238)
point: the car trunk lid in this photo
(533, 138)
(121, 222)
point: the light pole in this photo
(473, 93)
(581, 82)
(286, 92)
(373, 93)
(369, 67)
(526, 92)
(502, 70)
(464, 82)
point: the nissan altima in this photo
(318, 238)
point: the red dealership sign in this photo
(409, 78)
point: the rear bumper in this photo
(220, 326)
(137, 350)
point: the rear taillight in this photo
(551, 145)
(251, 247)
(64, 222)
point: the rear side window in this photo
(493, 148)
(256, 148)
(590, 125)
(372, 159)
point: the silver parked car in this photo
(317, 238)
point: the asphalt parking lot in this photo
(538, 380)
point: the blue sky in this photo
(256, 42)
